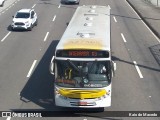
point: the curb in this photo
(145, 21)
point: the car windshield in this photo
(83, 74)
(22, 15)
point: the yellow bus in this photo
(82, 65)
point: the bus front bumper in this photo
(85, 103)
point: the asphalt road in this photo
(25, 81)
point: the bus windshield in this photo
(83, 74)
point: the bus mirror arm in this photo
(114, 67)
(52, 66)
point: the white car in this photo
(2, 3)
(24, 19)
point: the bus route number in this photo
(94, 53)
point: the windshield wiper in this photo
(75, 67)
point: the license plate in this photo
(82, 103)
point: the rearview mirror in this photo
(114, 67)
(52, 66)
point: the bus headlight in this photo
(56, 92)
(108, 93)
(63, 97)
(27, 23)
(99, 98)
(104, 96)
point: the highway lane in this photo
(139, 40)
(42, 94)
(21, 53)
(8, 83)
(6, 14)
(130, 92)
(18, 51)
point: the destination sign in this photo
(82, 54)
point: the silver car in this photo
(70, 1)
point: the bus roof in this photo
(88, 29)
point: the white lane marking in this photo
(46, 36)
(109, 6)
(8, 118)
(138, 70)
(123, 37)
(33, 5)
(145, 24)
(54, 18)
(31, 69)
(5, 37)
(114, 18)
(59, 6)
